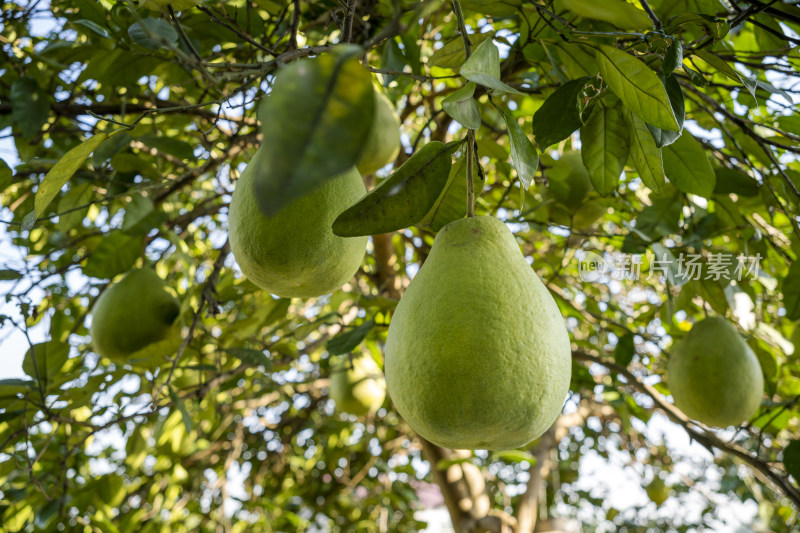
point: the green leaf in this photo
(791, 459)
(673, 58)
(686, 165)
(5, 175)
(675, 93)
(185, 416)
(153, 33)
(624, 350)
(315, 124)
(44, 361)
(7, 274)
(646, 156)
(72, 207)
(169, 145)
(63, 170)
(729, 180)
(483, 67)
(93, 26)
(115, 254)
(452, 54)
(29, 106)
(347, 341)
(560, 114)
(11, 387)
(637, 86)
(723, 67)
(604, 149)
(618, 12)
(141, 216)
(697, 79)
(716, 27)
(250, 356)
(463, 107)
(452, 202)
(523, 154)
(402, 199)
(791, 292)
(514, 456)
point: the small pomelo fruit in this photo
(133, 313)
(295, 253)
(477, 354)
(657, 491)
(383, 143)
(357, 386)
(714, 376)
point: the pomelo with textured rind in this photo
(477, 353)
(295, 253)
(358, 386)
(714, 376)
(133, 313)
(383, 143)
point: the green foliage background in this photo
(132, 126)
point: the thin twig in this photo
(651, 14)
(206, 297)
(704, 437)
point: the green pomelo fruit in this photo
(383, 144)
(477, 353)
(177, 5)
(657, 491)
(295, 253)
(714, 376)
(133, 313)
(358, 388)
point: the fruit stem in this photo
(462, 29)
(470, 173)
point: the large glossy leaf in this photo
(63, 171)
(560, 114)
(452, 54)
(44, 361)
(791, 458)
(452, 202)
(604, 149)
(637, 86)
(115, 254)
(618, 12)
(646, 156)
(403, 198)
(483, 67)
(315, 123)
(686, 165)
(523, 154)
(463, 107)
(724, 68)
(348, 340)
(733, 181)
(675, 94)
(153, 33)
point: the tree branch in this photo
(703, 436)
